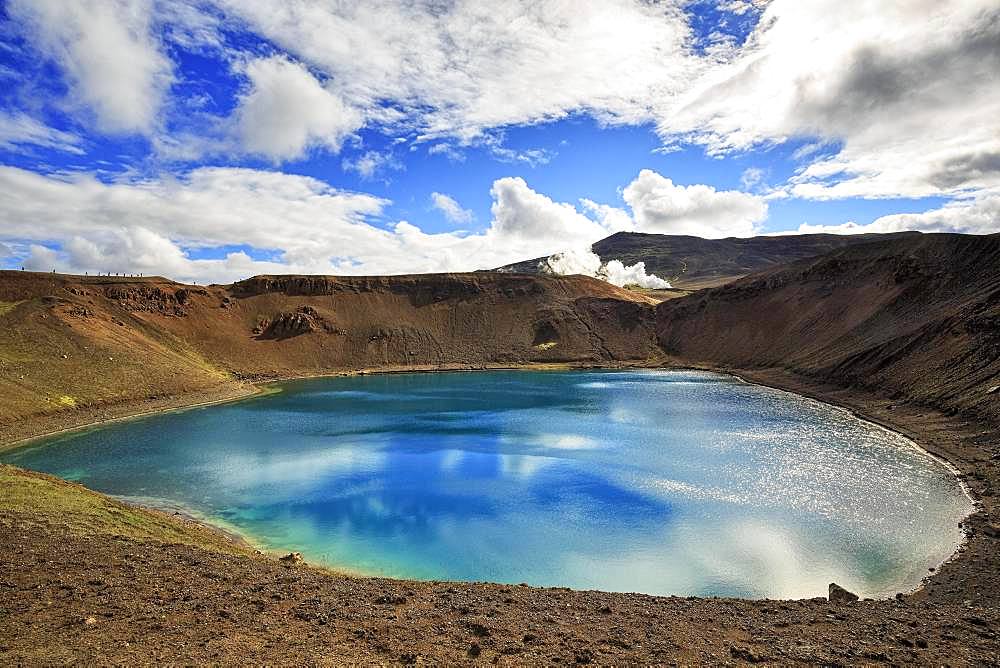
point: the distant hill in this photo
(693, 262)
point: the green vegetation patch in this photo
(5, 307)
(51, 502)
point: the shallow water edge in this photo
(270, 387)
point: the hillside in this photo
(915, 319)
(72, 345)
(692, 262)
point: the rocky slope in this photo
(693, 263)
(74, 349)
(914, 319)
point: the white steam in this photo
(589, 264)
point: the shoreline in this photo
(974, 503)
(260, 388)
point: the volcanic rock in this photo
(840, 595)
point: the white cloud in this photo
(587, 263)
(611, 218)
(451, 209)
(494, 143)
(521, 213)
(447, 150)
(910, 89)
(144, 225)
(660, 206)
(976, 216)
(371, 163)
(905, 95)
(741, 7)
(751, 178)
(113, 62)
(301, 224)
(41, 258)
(287, 111)
(18, 129)
(459, 68)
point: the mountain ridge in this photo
(692, 263)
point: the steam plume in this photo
(589, 264)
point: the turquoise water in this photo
(664, 482)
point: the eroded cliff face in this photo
(438, 319)
(70, 344)
(915, 319)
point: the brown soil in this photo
(901, 331)
(74, 350)
(915, 320)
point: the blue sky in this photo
(211, 139)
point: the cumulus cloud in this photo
(911, 91)
(98, 226)
(41, 258)
(112, 61)
(451, 209)
(19, 129)
(908, 93)
(905, 97)
(459, 68)
(287, 110)
(615, 272)
(980, 215)
(660, 206)
(299, 224)
(521, 213)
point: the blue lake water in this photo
(663, 482)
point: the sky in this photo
(211, 140)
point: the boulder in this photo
(840, 595)
(293, 558)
